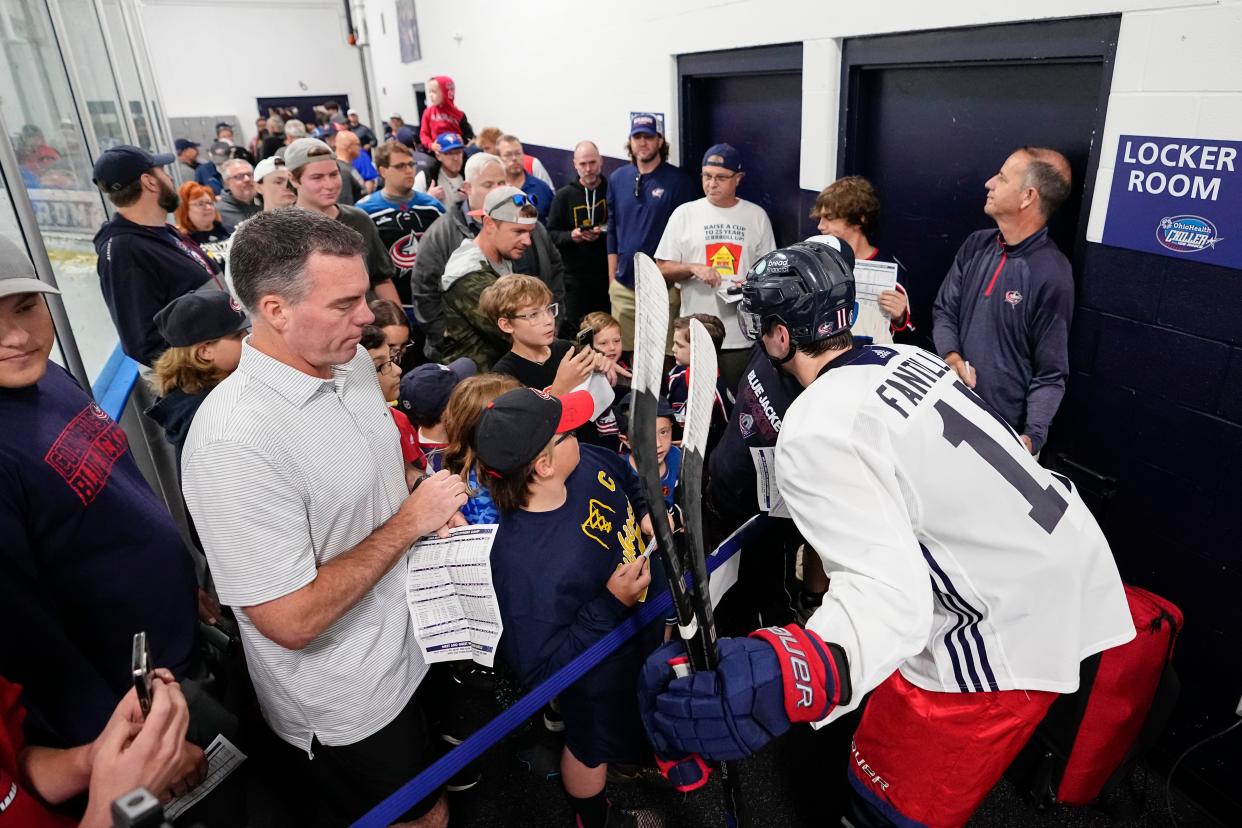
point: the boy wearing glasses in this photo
(522, 309)
(508, 220)
(709, 245)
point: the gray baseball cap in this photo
(17, 274)
(305, 151)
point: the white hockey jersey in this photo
(953, 555)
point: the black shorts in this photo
(344, 782)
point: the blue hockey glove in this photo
(776, 677)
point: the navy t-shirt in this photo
(637, 221)
(90, 556)
(550, 571)
(762, 398)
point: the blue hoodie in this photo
(141, 269)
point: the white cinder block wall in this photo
(558, 71)
(213, 57)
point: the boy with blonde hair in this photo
(522, 309)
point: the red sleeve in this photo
(18, 808)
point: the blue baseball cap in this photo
(448, 141)
(425, 390)
(183, 144)
(121, 166)
(644, 123)
(723, 155)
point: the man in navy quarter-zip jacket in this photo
(1002, 316)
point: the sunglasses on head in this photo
(520, 199)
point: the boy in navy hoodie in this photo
(568, 567)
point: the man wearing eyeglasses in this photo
(641, 197)
(401, 214)
(509, 148)
(509, 218)
(317, 177)
(236, 204)
(709, 245)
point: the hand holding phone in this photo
(143, 672)
(584, 340)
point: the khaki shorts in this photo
(622, 300)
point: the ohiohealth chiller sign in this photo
(1179, 197)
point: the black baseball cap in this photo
(622, 411)
(200, 317)
(425, 390)
(118, 167)
(517, 425)
(183, 144)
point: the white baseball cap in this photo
(266, 166)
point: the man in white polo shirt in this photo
(292, 471)
(707, 247)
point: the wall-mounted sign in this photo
(1178, 197)
(407, 31)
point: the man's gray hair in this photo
(1048, 172)
(474, 167)
(295, 129)
(233, 162)
(270, 251)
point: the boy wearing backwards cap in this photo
(580, 501)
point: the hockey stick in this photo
(650, 333)
(694, 615)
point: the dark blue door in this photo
(752, 99)
(929, 137)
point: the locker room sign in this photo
(1177, 197)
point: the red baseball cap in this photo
(517, 425)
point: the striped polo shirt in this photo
(283, 471)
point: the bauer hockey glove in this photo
(776, 677)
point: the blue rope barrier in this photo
(485, 737)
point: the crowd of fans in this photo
(309, 465)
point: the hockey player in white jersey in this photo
(967, 581)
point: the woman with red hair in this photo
(197, 218)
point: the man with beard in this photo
(641, 197)
(577, 222)
(401, 213)
(144, 263)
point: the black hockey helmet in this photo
(808, 287)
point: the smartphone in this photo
(584, 340)
(142, 671)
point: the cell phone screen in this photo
(142, 671)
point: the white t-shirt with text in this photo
(729, 238)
